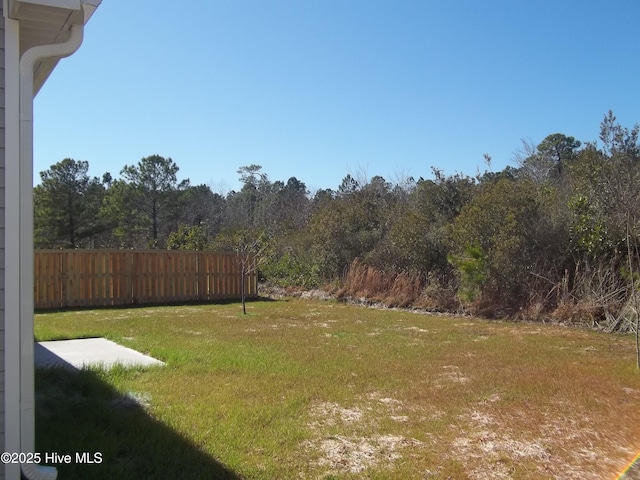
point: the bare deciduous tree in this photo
(249, 253)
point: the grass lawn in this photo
(318, 389)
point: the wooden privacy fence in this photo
(92, 278)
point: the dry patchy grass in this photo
(318, 389)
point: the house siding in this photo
(2, 236)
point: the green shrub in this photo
(472, 268)
(289, 270)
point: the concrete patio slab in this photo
(87, 352)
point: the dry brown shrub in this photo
(585, 311)
(362, 280)
(400, 289)
(405, 290)
(595, 298)
(439, 294)
(485, 306)
(535, 311)
(391, 288)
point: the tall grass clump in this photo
(398, 289)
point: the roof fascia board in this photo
(89, 7)
(14, 5)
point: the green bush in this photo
(289, 270)
(472, 268)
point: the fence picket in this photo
(91, 278)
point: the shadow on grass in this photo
(76, 411)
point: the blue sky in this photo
(320, 88)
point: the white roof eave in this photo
(45, 22)
(14, 5)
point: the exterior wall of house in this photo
(2, 204)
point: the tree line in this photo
(554, 236)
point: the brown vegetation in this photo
(405, 289)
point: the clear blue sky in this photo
(320, 88)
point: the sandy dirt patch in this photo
(345, 452)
